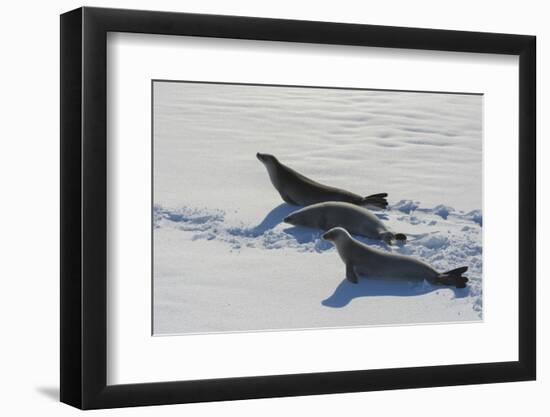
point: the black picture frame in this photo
(84, 207)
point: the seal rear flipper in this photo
(351, 275)
(376, 200)
(379, 195)
(400, 236)
(391, 238)
(454, 277)
(457, 271)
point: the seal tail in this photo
(454, 277)
(376, 200)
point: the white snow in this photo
(223, 259)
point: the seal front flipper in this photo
(351, 275)
(288, 200)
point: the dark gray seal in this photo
(298, 190)
(362, 260)
(355, 219)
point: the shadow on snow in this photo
(273, 218)
(347, 291)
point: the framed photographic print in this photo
(257, 207)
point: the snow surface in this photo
(223, 259)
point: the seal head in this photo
(266, 158)
(336, 234)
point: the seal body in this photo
(299, 190)
(355, 219)
(362, 260)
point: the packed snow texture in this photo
(225, 261)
